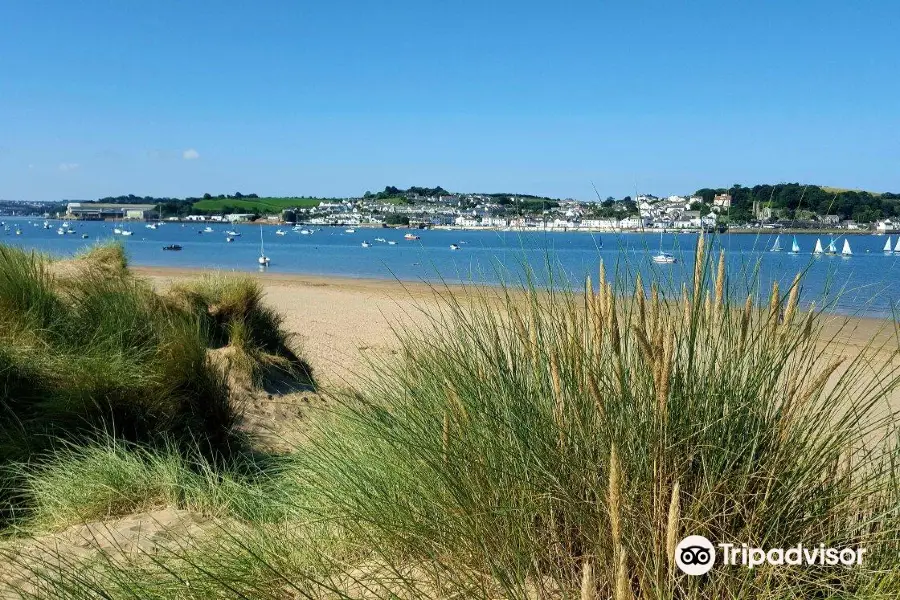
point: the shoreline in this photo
(411, 290)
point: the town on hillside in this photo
(782, 206)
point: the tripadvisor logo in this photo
(696, 555)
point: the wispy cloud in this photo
(65, 167)
(190, 154)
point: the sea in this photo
(864, 284)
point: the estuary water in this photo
(865, 284)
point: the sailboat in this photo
(818, 249)
(846, 250)
(795, 247)
(897, 247)
(887, 246)
(663, 258)
(776, 247)
(599, 242)
(832, 248)
(263, 259)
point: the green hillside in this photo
(254, 205)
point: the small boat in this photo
(18, 231)
(46, 225)
(85, 236)
(263, 259)
(366, 244)
(117, 231)
(846, 251)
(150, 226)
(818, 248)
(664, 258)
(126, 232)
(795, 247)
(207, 229)
(887, 246)
(454, 247)
(410, 236)
(72, 231)
(832, 248)
(382, 240)
(172, 247)
(280, 232)
(305, 232)
(61, 231)
(776, 247)
(897, 247)
(349, 231)
(392, 243)
(233, 233)
(229, 239)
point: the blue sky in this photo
(180, 98)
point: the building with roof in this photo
(98, 211)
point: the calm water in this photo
(866, 283)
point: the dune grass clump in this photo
(563, 443)
(255, 342)
(87, 346)
(112, 478)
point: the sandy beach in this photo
(340, 320)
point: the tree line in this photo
(795, 201)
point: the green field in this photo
(255, 205)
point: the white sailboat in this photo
(818, 249)
(795, 247)
(776, 247)
(846, 249)
(887, 246)
(263, 259)
(897, 247)
(663, 258)
(832, 248)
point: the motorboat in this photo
(664, 258)
(172, 247)
(280, 232)
(366, 244)
(454, 247)
(411, 236)
(349, 231)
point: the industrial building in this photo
(95, 211)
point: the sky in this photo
(172, 98)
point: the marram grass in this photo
(533, 436)
(558, 443)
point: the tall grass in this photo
(559, 443)
(234, 315)
(89, 351)
(570, 440)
